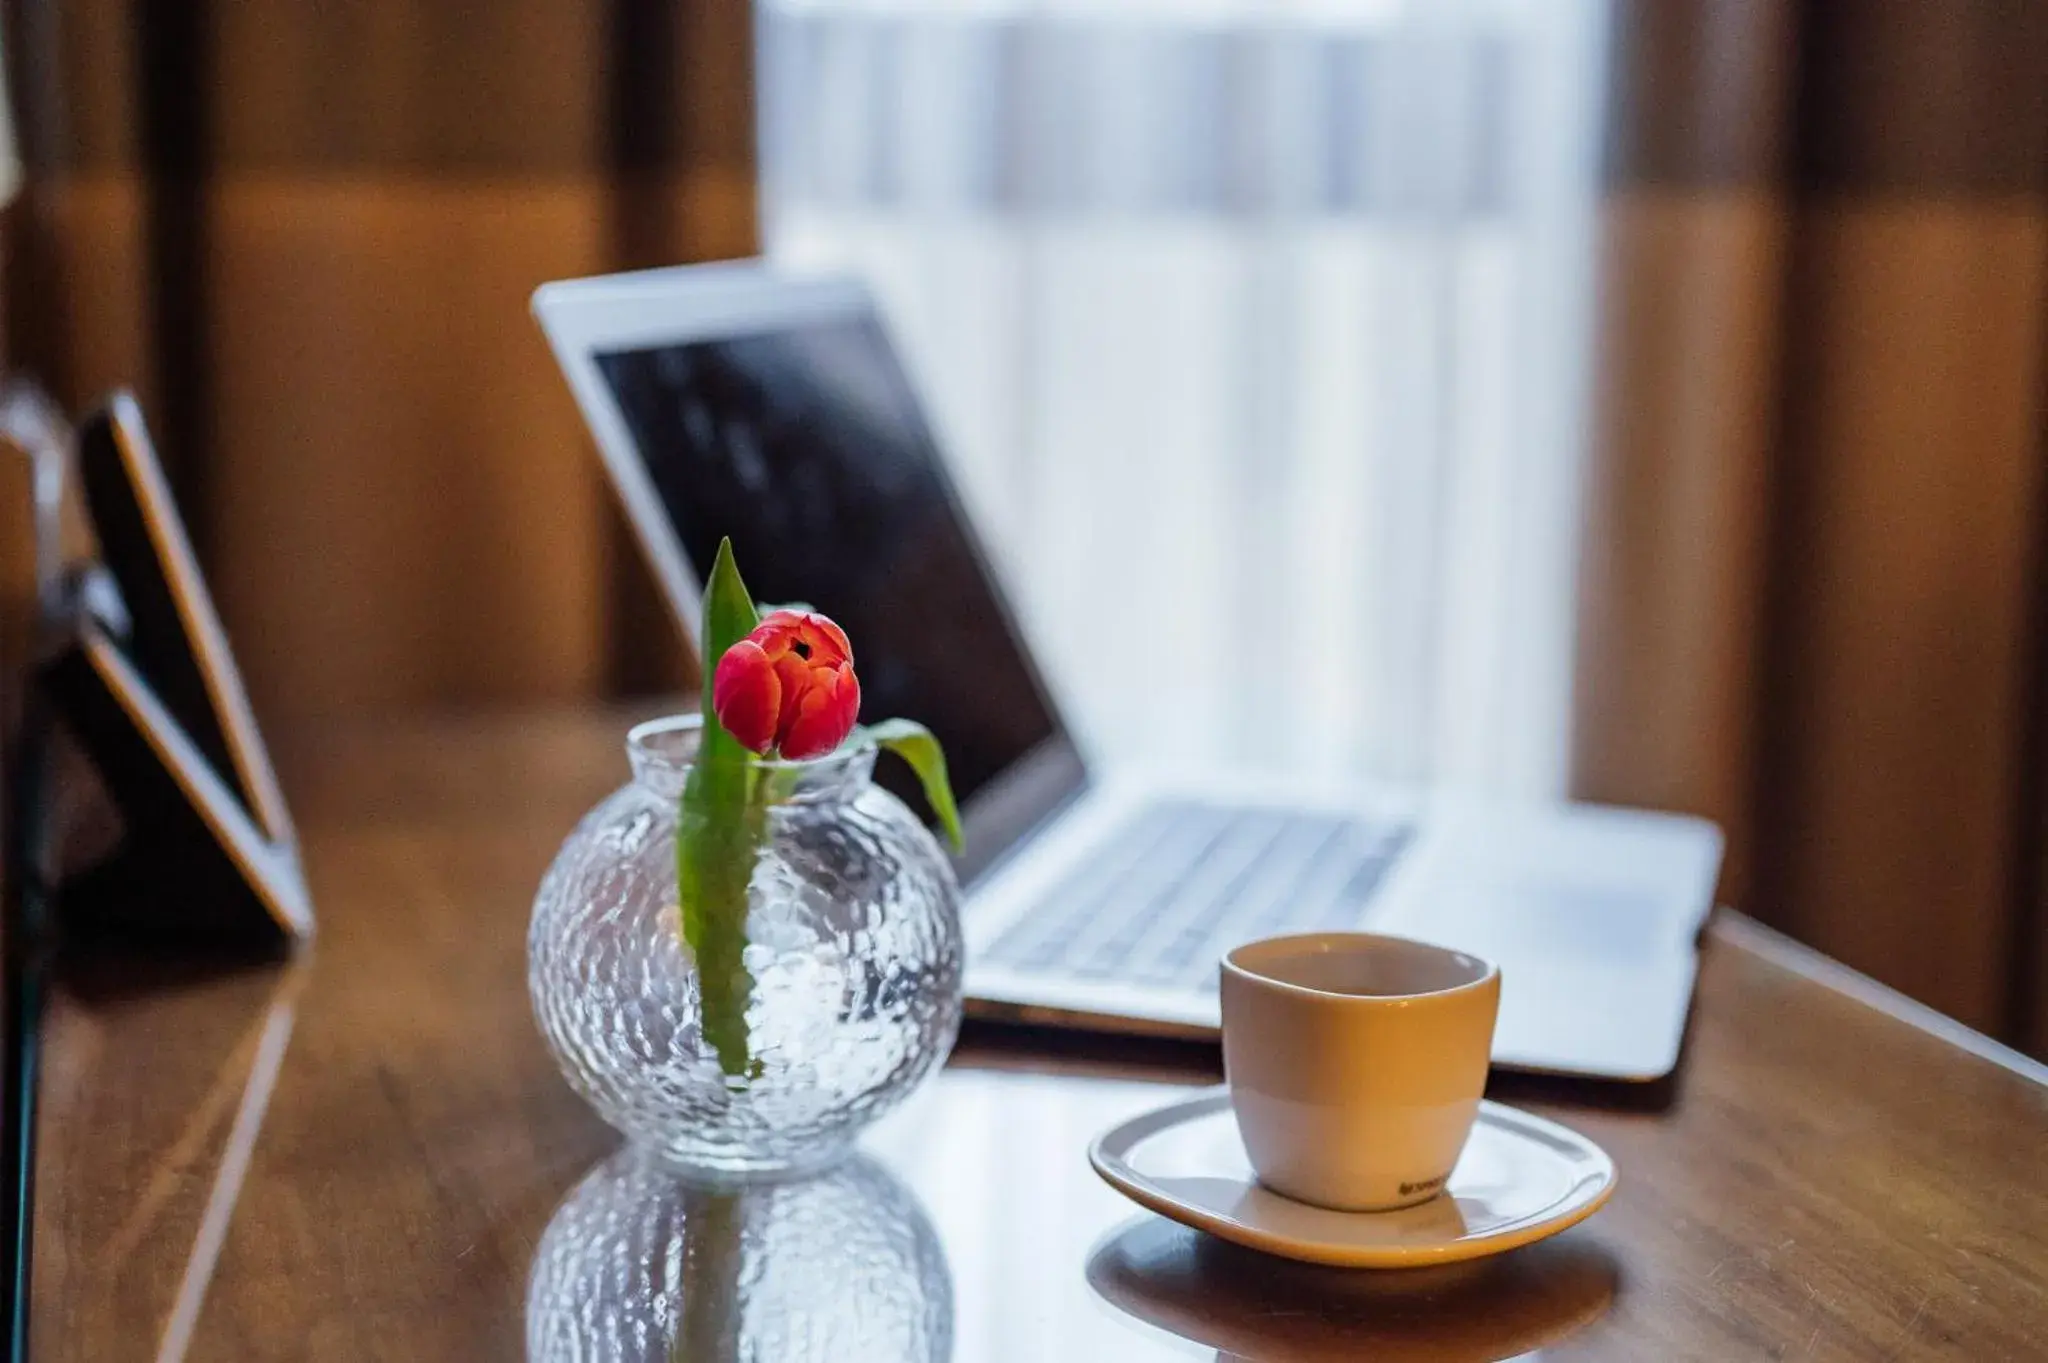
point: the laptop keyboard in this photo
(1181, 883)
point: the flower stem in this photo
(719, 834)
(710, 1308)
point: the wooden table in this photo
(356, 1157)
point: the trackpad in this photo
(1535, 917)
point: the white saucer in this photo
(1520, 1180)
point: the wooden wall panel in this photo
(1911, 461)
(409, 511)
(96, 318)
(1694, 230)
(1689, 298)
(1825, 286)
(513, 89)
(307, 233)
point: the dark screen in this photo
(807, 447)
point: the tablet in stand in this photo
(148, 687)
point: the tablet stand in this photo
(147, 686)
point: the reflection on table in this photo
(638, 1264)
(1258, 1308)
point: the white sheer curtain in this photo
(1256, 332)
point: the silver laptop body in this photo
(731, 400)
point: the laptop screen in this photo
(807, 447)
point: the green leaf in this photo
(719, 830)
(915, 744)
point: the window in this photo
(1257, 334)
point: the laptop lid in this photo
(729, 402)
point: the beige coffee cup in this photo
(1356, 1063)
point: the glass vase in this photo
(853, 947)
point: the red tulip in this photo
(788, 686)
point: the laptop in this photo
(732, 400)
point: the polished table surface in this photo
(368, 1155)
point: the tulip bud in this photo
(788, 687)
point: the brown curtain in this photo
(1812, 597)
(306, 234)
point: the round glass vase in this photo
(852, 942)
